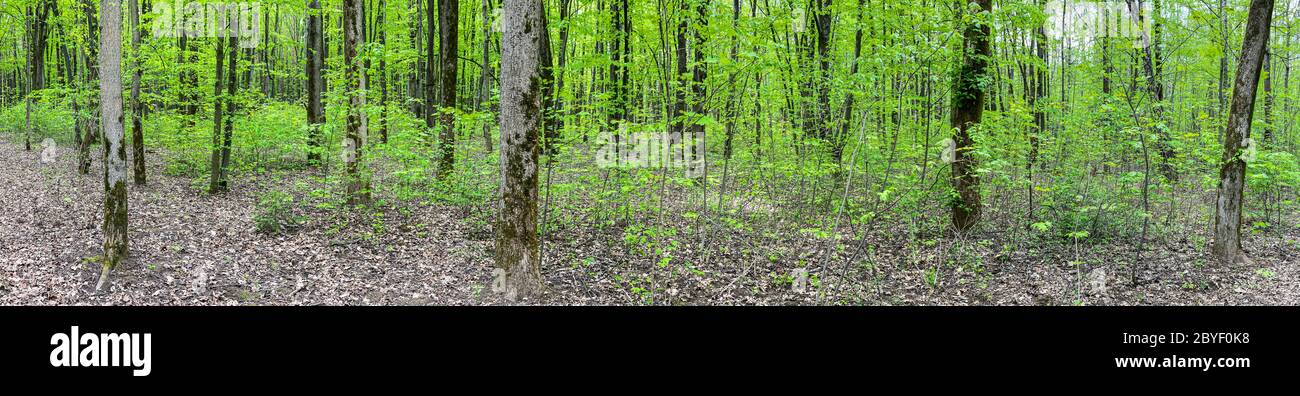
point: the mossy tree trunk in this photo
(110, 91)
(517, 250)
(1232, 171)
(968, 109)
(355, 142)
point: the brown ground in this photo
(192, 249)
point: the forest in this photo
(649, 152)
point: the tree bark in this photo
(1268, 96)
(355, 142)
(110, 90)
(968, 110)
(383, 72)
(315, 113)
(448, 12)
(1151, 66)
(517, 250)
(37, 34)
(137, 107)
(1232, 172)
(214, 163)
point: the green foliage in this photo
(49, 119)
(275, 213)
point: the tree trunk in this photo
(110, 91)
(837, 145)
(485, 79)
(214, 164)
(448, 12)
(678, 111)
(37, 33)
(517, 250)
(91, 126)
(430, 93)
(1037, 93)
(1232, 173)
(355, 142)
(232, 88)
(550, 134)
(315, 62)
(383, 72)
(699, 91)
(137, 108)
(1150, 65)
(822, 23)
(1268, 97)
(968, 109)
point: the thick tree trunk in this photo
(355, 142)
(968, 110)
(110, 91)
(1232, 173)
(315, 113)
(517, 250)
(448, 12)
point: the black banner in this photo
(459, 344)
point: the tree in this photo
(1232, 172)
(383, 72)
(967, 110)
(110, 91)
(37, 35)
(90, 128)
(448, 11)
(1151, 65)
(315, 112)
(355, 142)
(517, 250)
(221, 137)
(430, 74)
(137, 107)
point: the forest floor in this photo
(189, 248)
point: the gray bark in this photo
(355, 142)
(1232, 172)
(110, 91)
(517, 250)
